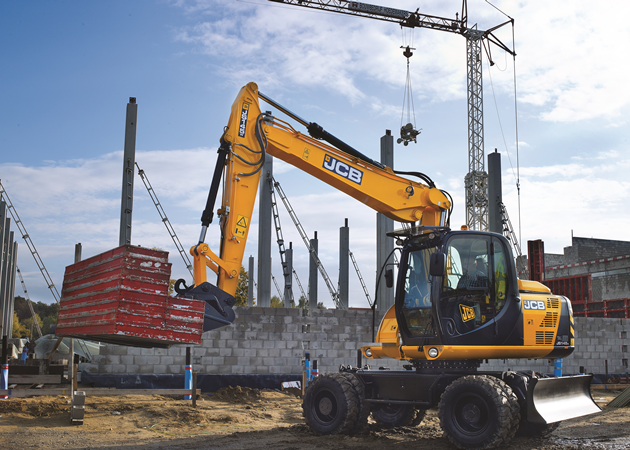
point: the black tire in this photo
(536, 430)
(478, 412)
(331, 405)
(361, 425)
(394, 416)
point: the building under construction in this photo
(593, 273)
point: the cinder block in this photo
(126, 359)
(251, 335)
(147, 351)
(145, 368)
(231, 360)
(243, 361)
(257, 344)
(166, 360)
(181, 360)
(217, 360)
(240, 369)
(112, 359)
(225, 352)
(118, 350)
(261, 370)
(225, 334)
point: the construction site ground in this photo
(242, 418)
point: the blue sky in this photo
(70, 67)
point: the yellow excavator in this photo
(458, 299)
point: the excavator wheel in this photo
(361, 425)
(478, 412)
(394, 416)
(331, 405)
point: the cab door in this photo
(474, 291)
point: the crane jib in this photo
(380, 10)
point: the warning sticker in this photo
(467, 312)
(241, 225)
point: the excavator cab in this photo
(455, 288)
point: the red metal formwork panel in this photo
(121, 297)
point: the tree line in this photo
(23, 323)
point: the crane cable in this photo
(408, 131)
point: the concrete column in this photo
(129, 160)
(384, 244)
(344, 265)
(250, 283)
(495, 194)
(4, 279)
(288, 277)
(11, 280)
(3, 227)
(312, 275)
(264, 234)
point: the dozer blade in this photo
(218, 312)
(554, 399)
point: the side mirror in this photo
(437, 265)
(389, 278)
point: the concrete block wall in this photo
(597, 340)
(260, 341)
(274, 340)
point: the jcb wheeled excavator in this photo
(458, 298)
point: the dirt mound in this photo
(238, 395)
(45, 407)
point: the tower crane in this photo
(476, 181)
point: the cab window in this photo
(467, 291)
(417, 304)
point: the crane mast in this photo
(476, 180)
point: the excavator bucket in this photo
(218, 304)
(554, 399)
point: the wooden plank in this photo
(609, 386)
(30, 379)
(113, 391)
(20, 393)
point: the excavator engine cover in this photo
(121, 297)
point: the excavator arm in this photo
(251, 134)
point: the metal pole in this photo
(11, 291)
(312, 275)
(3, 276)
(129, 160)
(250, 283)
(344, 265)
(3, 216)
(495, 194)
(71, 372)
(264, 234)
(188, 379)
(384, 244)
(288, 277)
